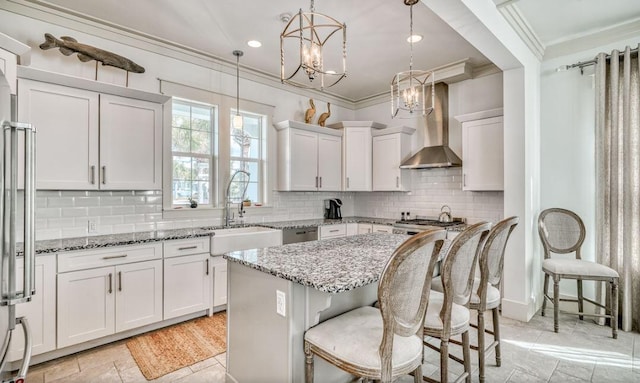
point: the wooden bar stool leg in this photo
(496, 335)
(417, 375)
(444, 361)
(308, 370)
(556, 302)
(614, 308)
(544, 293)
(481, 345)
(466, 355)
(580, 299)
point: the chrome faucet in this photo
(228, 215)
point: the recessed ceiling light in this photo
(254, 43)
(414, 38)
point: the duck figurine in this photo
(323, 117)
(308, 115)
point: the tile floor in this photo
(532, 352)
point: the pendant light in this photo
(237, 119)
(408, 88)
(321, 60)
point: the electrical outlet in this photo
(281, 303)
(92, 227)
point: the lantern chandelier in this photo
(318, 56)
(408, 88)
(237, 119)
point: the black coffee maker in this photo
(332, 208)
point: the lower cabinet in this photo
(219, 266)
(333, 231)
(40, 312)
(99, 302)
(364, 228)
(187, 285)
(381, 229)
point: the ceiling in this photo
(376, 30)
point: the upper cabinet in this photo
(12, 53)
(88, 138)
(482, 150)
(391, 147)
(356, 153)
(309, 157)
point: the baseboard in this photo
(522, 311)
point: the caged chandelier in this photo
(318, 58)
(408, 88)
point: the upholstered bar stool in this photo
(383, 343)
(562, 232)
(448, 313)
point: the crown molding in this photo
(519, 23)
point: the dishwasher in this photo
(303, 234)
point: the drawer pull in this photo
(110, 283)
(115, 256)
(187, 247)
(119, 280)
(334, 231)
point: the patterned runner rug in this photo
(162, 351)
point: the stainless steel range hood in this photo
(437, 131)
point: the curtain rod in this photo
(582, 64)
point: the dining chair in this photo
(562, 232)
(448, 311)
(383, 343)
(487, 290)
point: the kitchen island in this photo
(314, 281)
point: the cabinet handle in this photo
(104, 175)
(334, 231)
(347, 182)
(207, 266)
(316, 181)
(115, 256)
(397, 181)
(119, 280)
(93, 174)
(464, 179)
(110, 283)
(320, 186)
(187, 247)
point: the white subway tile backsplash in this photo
(75, 212)
(48, 212)
(60, 201)
(87, 201)
(110, 200)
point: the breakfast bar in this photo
(277, 293)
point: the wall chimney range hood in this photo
(437, 130)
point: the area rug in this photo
(162, 351)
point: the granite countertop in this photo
(331, 265)
(322, 222)
(93, 242)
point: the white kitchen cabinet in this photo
(89, 139)
(352, 229)
(381, 229)
(187, 285)
(40, 311)
(104, 291)
(391, 147)
(482, 151)
(333, 231)
(365, 228)
(12, 53)
(309, 157)
(219, 266)
(356, 153)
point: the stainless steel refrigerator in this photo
(17, 227)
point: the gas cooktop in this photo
(428, 222)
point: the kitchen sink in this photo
(243, 238)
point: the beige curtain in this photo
(618, 175)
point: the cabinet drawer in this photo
(382, 229)
(330, 231)
(189, 246)
(88, 259)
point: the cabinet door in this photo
(66, 120)
(386, 161)
(219, 281)
(130, 144)
(40, 312)
(357, 159)
(352, 229)
(187, 285)
(138, 294)
(330, 162)
(304, 159)
(8, 65)
(86, 304)
(382, 229)
(483, 154)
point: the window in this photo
(247, 147)
(193, 129)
